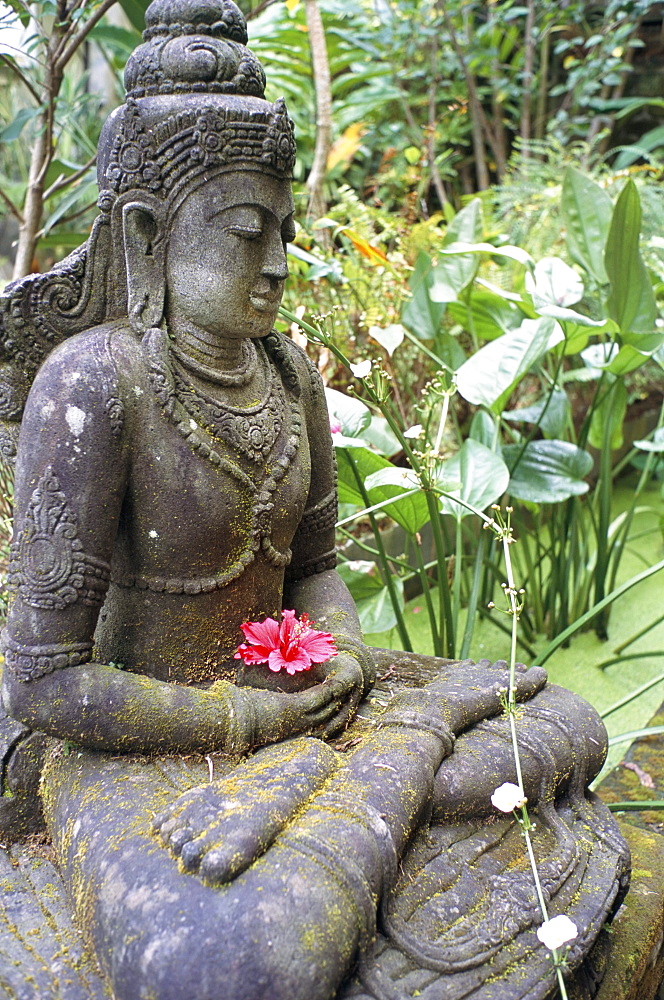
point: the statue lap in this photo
(374, 863)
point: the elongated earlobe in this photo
(144, 258)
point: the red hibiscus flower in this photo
(291, 646)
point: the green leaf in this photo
(657, 443)
(586, 210)
(612, 408)
(365, 461)
(510, 252)
(631, 302)
(483, 476)
(547, 471)
(135, 11)
(492, 372)
(466, 226)
(350, 411)
(411, 512)
(483, 428)
(486, 314)
(451, 275)
(14, 129)
(552, 419)
(420, 313)
(371, 596)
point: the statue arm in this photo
(71, 478)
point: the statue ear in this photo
(144, 258)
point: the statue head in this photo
(195, 116)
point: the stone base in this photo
(636, 958)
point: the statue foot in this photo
(218, 830)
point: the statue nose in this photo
(275, 264)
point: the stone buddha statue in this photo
(224, 831)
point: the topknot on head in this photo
(216, 18)
(194, 46)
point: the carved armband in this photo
(28, 663)
(48, 568)
(315, 521)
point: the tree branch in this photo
(15, 211)
(21, 75)
(62, 57)
(64, 180)
(259, 9)
(322, 83)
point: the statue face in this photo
(226, 258)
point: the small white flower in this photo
(414, 431)
(361, 370)
(556, 932)
(508, 797)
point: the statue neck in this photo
(202, 346)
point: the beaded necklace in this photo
(178, 405)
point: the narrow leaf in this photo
(631, 302)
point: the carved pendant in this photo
(252, 431)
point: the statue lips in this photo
(265, 303)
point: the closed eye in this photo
(246, 232)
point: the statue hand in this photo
(344, 675)
(474, 691)
(278, 716)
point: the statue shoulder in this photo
(308, 376)
(88, 372)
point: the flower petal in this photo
(508, 797)
(556, 932)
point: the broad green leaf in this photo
(493, 371)
(657, 443)
(576, 337)
(389, 337)
(365, 462)
(608, 417)
(586, 210)
(380, 437)
(551, 414)
(631, 302)
(547, 471)
(420, 313)
(554, 283)
(512, 253)
(483, 476)
(371, 596)
(411, 512)
(628, 359)
(483, 428)
(466, 226)
(351, 412)
(485, 315)
(14, 129)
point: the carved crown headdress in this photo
(195, 107)
(194, 102)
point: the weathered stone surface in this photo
(42, 956)
(635, 968)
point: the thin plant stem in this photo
(503, 530)
(638, 635)
(384, 562)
